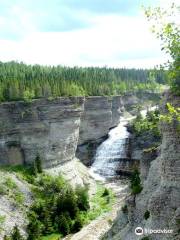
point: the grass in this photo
(9, 188)
(2, 220)
(100, 203)
(23, 172)
(54, 236)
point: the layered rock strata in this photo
(49, 128)
(160, 197)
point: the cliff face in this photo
(51, 129)
(100, 114)
(46, 127)
(161, 191)
(96, 119)
(56, 128)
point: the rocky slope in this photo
(160, 197)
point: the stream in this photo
(103, 169)
(110, 152)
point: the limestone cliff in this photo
(100, 114)
(161, 191)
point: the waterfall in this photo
(110, 152)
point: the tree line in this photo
(20, 81)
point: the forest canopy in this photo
(20, 81)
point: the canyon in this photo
(59, 130)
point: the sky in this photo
(112, 33)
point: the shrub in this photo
(34, 228)
(105, 193)
(78, 223)
(3, 190)
(124, 209)
(135, 183)
(83, 198)
(145, 238)
(63, 224)
(10, 183)
(57, 207)
(38, 163)
(15, 235)
(146, 214)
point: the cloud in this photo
(111, 40)
(19, 17)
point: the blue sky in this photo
(78, 32)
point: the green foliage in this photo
(9, 187)
(54, 236)
(145, 238)
(105, 193)
(37, 166)
(21, 171)
(57, 207)
(148, 124)
(83, 198)
(135, 183)
(28, 95)
(100, 204)
(172, 115)
(26, 82)
(124, 209)
(9, 183)
(2, 220)
(168, 32)
(146, 214)
(38, 163)
(15, 234)
(6, 237)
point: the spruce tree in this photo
(38, 163)
(15, 235)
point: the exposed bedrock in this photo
(54, 128)
(46, 127)
(160, 196)
(100, 114)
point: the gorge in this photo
(64, 130)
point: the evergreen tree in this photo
(38, 163)
(63, 225)
(15, 235)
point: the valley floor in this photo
(97, 228)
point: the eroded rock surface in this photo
(47, 127)
(161, 191)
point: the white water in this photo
(109, 152)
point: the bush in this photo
(63, 225)
(124, 209)
(145, 238)
(148, 124)
(34, 227)
(146, 215)
(15, 235)
(57, 207)
(83, 198)
(105, 193)
(78, 224)
(38, 163)
(135, 183)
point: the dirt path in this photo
(96, 229)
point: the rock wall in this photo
(100, 114)
(161, 191)
(46, 127)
